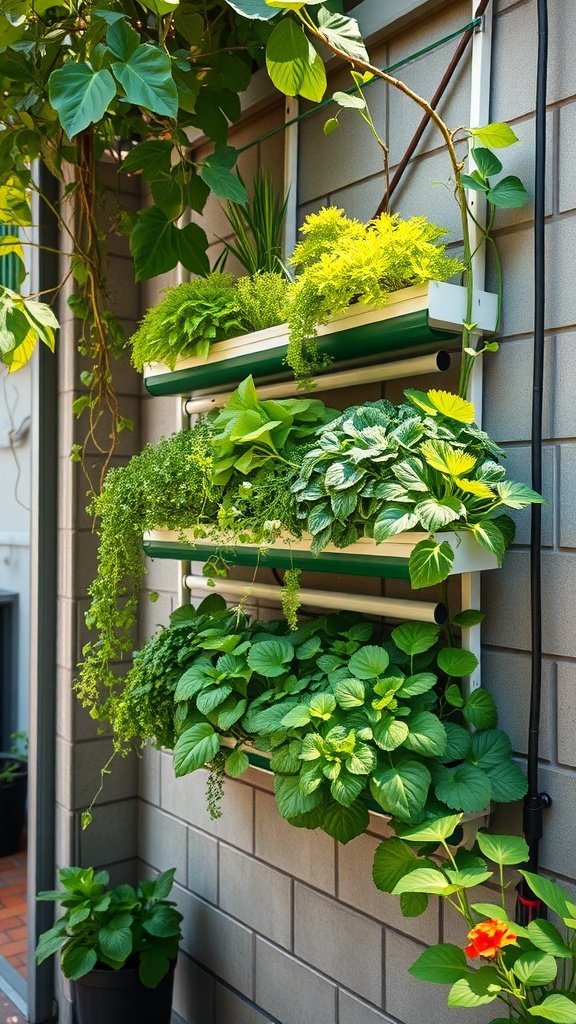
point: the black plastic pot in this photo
(118, 997)
(12, 804)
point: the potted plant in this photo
(13, 794)
(531, 969)
(117, 945)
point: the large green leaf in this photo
(389, 733)
(480, 709)
(343, 33)
(393, 519)
(77, 961)
(116, 937)
(294, 66)
(290, 799)
(426, 735)
(465, 788)
(216, 172)
(152, 244)
(508, 193)
(442, 964)
(191, 243)
(545, 936)
(392, 860)
(430, 563)
(152, 158)
(432, 831)
(497, 135)
(476, 988)
(271, 657)
(428, 880)
(146, 78)
(490, 537)
(535, 968)
(369, 662)
(422, 682)
(413, 904)
(508, 781)
(436, 513)
(195, 748)
(516, 495)
(415, 637)
(557, 1008)
(486, 162)
(80, 95)
(456, 662)
(401, 790)
(552, 894)
(122, 39)
(153, 966)
(490, 748)
(345, 823)
(503, 849)
(350, 693)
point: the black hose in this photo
(535, 802)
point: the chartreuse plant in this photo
(350, 722)
(294, 59)
(103, 927)
(340, 261)
(531, 969)
(380, 469)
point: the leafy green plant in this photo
(13, 762)
(257, 225)
(188, 319)
(349, 723)
(341, 261)
(531, 969)
(112, 927)
(379, 470)
(264, 299)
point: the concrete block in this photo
(162, 840)
(186, 798)
(155, 614)
(557, 848)
(161, 417)
(112, 834)
(289, 990)
(339, 942)
(519, 160)
(149, 775)
(414, 1001)
(355, 887)
(305, 209)
(423, 191)
(86, 760)
(518, 467)
(362, 198)
(203, 865)
(506, 674)
(217, 942)
(563, 384)
(193, 992)
(231, 1007)
(510, 421)
(567, 510)
(307, 855)
(566, 713)
(566, 136)
(354, 1011)
(262, 899)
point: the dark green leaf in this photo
(345, 823)
(122, 39)
(465, 788)
(152, 968)
(77, 961)
(480, 709)
(442, 964)
(457, 662)
(152, 158)
(153, 244)
(146, 78)
(195, 748)
(508, 193)
(80, 95)
(190, 244)
(426, 735)
(415, 637)
(216, 172)
(392, 860)
(486, 162)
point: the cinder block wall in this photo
(284, 926)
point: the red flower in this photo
(488, 938)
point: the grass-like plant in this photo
(257, 227)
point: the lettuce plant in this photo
(349, 721)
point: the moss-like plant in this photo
(264, 300)
(342, 261)
(188, 320)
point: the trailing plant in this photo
(112, 927)
(264, 299)
(531, 969)
(379, 470)
(350, 722)
(296, 67)
(187, 320)
(341, 261)
(257, 225)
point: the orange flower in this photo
(488, 938)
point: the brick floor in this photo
(13, 915)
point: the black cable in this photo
(535, 802)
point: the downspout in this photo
(528, 906)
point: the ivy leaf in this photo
(557, 1008)
(430, 563)
(415, 637)
(294, 66)
(456, 662)
(122, 39)
(401, 790)
(346, 823)
(146, 78)
(196, 747)
(442, 964)
(191, 243)
(465, 788)
(80, 95)
(343, 33)
(496, 135)
(216, 173)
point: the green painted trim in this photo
(378, 566)
(366, 341)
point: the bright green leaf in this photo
(442, 964)
(430, 563)
(557, 1008)
(415, 637)
(294, 66)
(495, 136)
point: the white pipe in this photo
(420, 611)
(291, 138)
(436, 362)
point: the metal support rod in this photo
(437, 362)
(291, 135)
(327, 600)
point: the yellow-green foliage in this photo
(341, 260)
(264, 299)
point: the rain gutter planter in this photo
(388, 560)
(413, 320)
